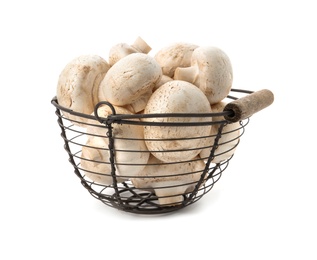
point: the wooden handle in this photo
(245, 107)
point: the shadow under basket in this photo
(113, 174)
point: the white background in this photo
(263, 207)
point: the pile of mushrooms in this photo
(179, 78)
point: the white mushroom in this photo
(129, 78)
(121, 50)
(78, 84)
(139, 105)
(173, 56)
(229, 138)
(162, 81)
(130, 151)
(170, 182)
(95, 161)
(210, 70)
(170, 143)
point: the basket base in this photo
(130, 199)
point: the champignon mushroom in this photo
(78, 84)
(130, 151)
(210, 70)
(170, 182)
(95, 161)
(162, 81)
(129, 78)
(171, 143)
(228, 141)
(139, 104)
(121, 50)
(173, 56)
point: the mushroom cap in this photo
(138, 105)
(130, 151)
(228, 141)
(78, 84)
(169, 181)
(173, 56)
(215, 72)
(162, 81)
(118, 51)
(129, 78)
(176, 97)
(95, 161)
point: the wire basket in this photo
(120, 172)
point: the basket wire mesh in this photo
(121, 192)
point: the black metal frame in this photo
(123, 195)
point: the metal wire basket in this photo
(154, 186)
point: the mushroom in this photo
(78, 84)
(162, 81)
(173, 56)
(129, 78)
(228, 141)
(171, 143)
(210, 70)
(139, 105)
(95, 161)
(170, 182)
(121, 50)
(130, 151)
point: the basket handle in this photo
(245, 107)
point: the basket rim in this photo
(130, 118)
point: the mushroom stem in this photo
(121, 50)
(141, 46)
(188, 74)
